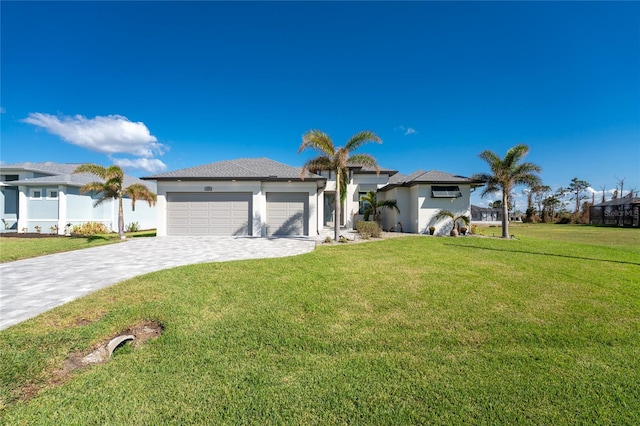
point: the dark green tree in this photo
(576, 188)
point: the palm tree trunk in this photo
(120, 218)
(336, 222)
(505, 214)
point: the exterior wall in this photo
(43, 211)
(391, 218)
(259, 200)
(429, 207)
(418, 209)
(360, 183)
(146, 216)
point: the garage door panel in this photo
(213, 213)
(287, 213)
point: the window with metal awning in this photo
(452, 191)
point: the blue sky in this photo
(157, 86)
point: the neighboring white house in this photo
(262, 197)
(48, 195)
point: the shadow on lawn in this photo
(546, 254)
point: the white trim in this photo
(32, 191)
(48, 194)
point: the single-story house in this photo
(486, 215)
(623, 211)
(47, 195)
(262, 197)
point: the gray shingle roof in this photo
(62, 174)
(367, 169)
(47, 167)
(432, 176)
(243, 168)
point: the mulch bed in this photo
(29, 235)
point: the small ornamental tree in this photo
(372, 205)
(446, 214)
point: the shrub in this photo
(133, 227)
(368, 229)
(328, 239)
(53, 230)
(475, 230)
(38, 228)
(343, 239)
(90, 228)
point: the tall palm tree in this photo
(112, 187)
(373, 205)
(446, 214)
(506, 174)
(337, 159)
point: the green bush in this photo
(90, 228)
(368, 229)
(133, 227)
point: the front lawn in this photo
(418, 330)
(16, 248)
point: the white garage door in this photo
(209, 213)
(287, 213)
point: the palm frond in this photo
(93, 187)
(94, 169)
(364, 160)
(390, 204)
(515, 154)
(322, 162)
(443, 214)
(137, 191)
(319, 141)
(359, 139)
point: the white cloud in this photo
(111, 134)
(150, 165)
(406, 130)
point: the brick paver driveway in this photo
(32, 286)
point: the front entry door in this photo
(330, 210)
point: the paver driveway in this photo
(32, 286)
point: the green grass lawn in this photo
(418, 330)
(12, 248)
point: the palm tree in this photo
(444, 214)
(112, 187)
(505, 174)
(373, 205)
(336, 160)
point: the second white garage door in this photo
(209, 213)
(287, 213)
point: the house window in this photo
(52, 193)
(445, 192)
(362, 205)
(36, 194)
(11, 178)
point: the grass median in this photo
(402, 331)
